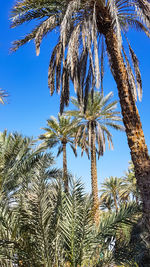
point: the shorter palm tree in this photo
(93, 129)
(112, 189)
(60, 132)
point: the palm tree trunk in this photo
(94, 176)
(65, 176)
(115, 202)
(131, 119)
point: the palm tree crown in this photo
(100, 113)
(81, 22)
(60, 132)
(112, 188)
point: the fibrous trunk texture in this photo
(94, 176)
(115, 201)
(131, 119)
(65, 175)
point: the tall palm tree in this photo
(94, 126)
(60, 132)
(112, 188)
(92, 26)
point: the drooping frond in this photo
(47, 26)
(79, 54)
(137, 72)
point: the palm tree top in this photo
(59, 131)
(111, 183)
(100, 113)
(112, 189)
(63, 127)
(83, 24)
(98, 108)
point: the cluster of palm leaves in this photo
(42, 225)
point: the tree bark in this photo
(115, 201)
(65, 175)
(131, 119)
(94, 176)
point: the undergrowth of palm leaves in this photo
(42, 226)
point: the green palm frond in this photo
(60, 130)
(112, 189)
(102, 113)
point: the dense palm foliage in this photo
(43, 226)
(16, 160)
(60, 132)
(112, 190)
(94, 125)
(93, 26)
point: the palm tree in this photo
(93, 128)
(112, 188)
(88, 24)
(60, 132)
(130, 183)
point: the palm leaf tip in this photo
(3, 96)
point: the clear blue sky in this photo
(24, 76)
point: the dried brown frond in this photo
(137, 72)
(131, 78)
(47, 26)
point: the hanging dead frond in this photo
(142, 8)
(95, 46)
(102, 64)
(73, 46)
(58, 67)
(113, 10)
(47, 26)
(87, 88)
(65, 84)
(65, 25)
(55, 68)
(137, 72)
(131, 78)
